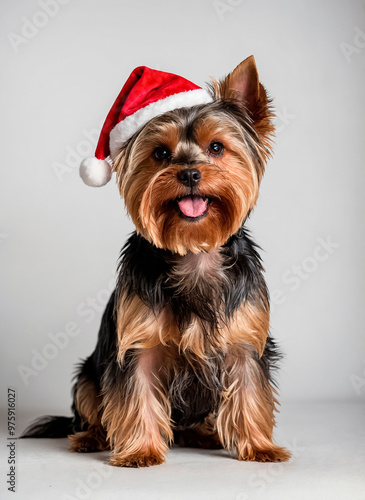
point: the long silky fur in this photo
(146, 271)
(217, 361)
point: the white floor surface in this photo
(327, 442)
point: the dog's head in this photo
(190, 176)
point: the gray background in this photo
(59, 240)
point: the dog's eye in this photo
(161, 153)
(215, 148)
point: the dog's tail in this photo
(50, 427)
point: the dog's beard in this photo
(183, 219)
(198, 217)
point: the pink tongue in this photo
(192, 206)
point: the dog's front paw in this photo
(138, 460)
(274, 454)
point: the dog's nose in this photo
(189, 177)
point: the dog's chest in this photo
(197, 283)
(198, 274)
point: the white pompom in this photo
(94, 172)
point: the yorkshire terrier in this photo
(184, 353)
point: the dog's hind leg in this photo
(87, 401)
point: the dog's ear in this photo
(244, 87)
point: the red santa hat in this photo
(146, 94)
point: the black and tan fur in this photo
(184, 352)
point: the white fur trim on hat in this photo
(95, 172)
(125, 129)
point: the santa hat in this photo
(146, 94)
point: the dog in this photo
(184, 353)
